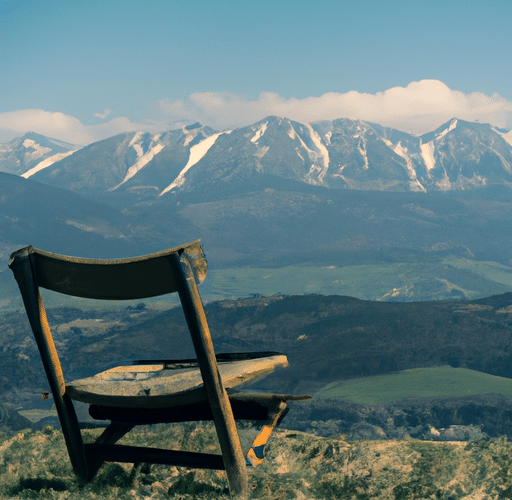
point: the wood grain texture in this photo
(156, 386)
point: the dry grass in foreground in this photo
(34, 464)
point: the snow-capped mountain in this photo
(338, 154)
(135, 162)
(366, 156)
(461, 155)
(458, 155)
(272, 147)
(31, 153)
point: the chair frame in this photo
(35, 269)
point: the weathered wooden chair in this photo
(150, 392)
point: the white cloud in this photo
(419, 107)
(65, 127)
(103, 115)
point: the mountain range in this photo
(343, 153)
(276, 193)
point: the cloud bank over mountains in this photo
(63, 127)
(417, 108)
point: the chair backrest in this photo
(117, 279)
(169, 271)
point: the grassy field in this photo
(437, 279)
(419, 383)
(491, 271)
(298, 466)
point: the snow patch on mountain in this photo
(259, 132)
(506, 135)
(261, 152)
(402, 152)
(415, 184)
(143, 158)
(351, 184)
(444, 184)
(47, 162)
(197, 152)
(142, 162)
(320, 146)
(38, 150)
(427, 153)
(477, 180)
(321, 156)
(135, 139)
(361, 147)
(291, 133)
(453, 124)
(312, 176)
(137, 143)
(190, 134)
(188, 139)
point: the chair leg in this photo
(72, 436)
(256, 454)
(232, 455)
(114, 432)
(221, 408)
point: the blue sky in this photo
(80, 71)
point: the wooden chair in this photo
(157, 391)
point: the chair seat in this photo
(245, 406)
(165, 385)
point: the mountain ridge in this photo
(337, 154)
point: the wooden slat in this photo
(114, 279)
(155, 386)
(135, 454)
(245, 406)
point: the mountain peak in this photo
(27, 152)
(273, 120)
(193, 126)
(455, 124)
(46, 141)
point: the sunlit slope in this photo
(440, 381)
